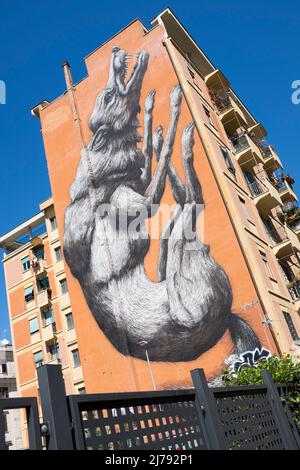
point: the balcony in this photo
(290, 216)
(247, 152)
(293, 236)
(271, 159)
(264, 194)
(278, 238)
(285, 189)
(38, 266)
(49, 331)
(43, 297)
(294, 289)
(231, 114)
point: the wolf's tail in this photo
(243, 337)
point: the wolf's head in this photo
(117, 105)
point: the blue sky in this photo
(256, 45)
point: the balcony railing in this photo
(295, 291)
(275, 230)
(257, 187)
(240, 143)
(265, 150)
(221, 99)
(291, 216)
(295, 224)
(43, 297)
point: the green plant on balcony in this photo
(288, 179)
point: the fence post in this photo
(55, 407)
(279, 413)
(208, 413)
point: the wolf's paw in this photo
(188, 142)
(149, 101)
(176, 98)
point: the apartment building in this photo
(8, 389)
(252, 223)
(41, 319)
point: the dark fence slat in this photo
(279, 414)
(208, 413)
(55, 407)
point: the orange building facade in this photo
(143, 319)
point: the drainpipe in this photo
(71, 92)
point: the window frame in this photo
(24, 270)
(73, 351)
(41, 361)
(37, 330)
(53, 223)
(58, 250)
(228, 160)
(69, 315)
(44, 319)
(291, 326)
(31, 298)
(265, 261)
(38, 280)
(61, 281)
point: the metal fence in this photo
(249, 417)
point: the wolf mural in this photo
(188, 310)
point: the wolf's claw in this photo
(149, 101)
(188, 141)
(176, 97)
(158, 141)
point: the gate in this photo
(250, 417)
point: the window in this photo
(69, 318)
(266, 264)
(76, 358)
(38, 359)
(53, 223)
(291, 326)
(227, 159)
(58, 254)
(245, 210)
(191, 72)
(4, 368)
(53, 352)
(63, 286)
(42, 283)
(48, 317)
(207, 112)
(4, 392)
(287, 271)
(28, 293)
(39, 252)
(33, 325)
(81, 391)
(25, 263)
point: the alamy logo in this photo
(2, 92)
(296, 93)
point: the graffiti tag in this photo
(247, 359)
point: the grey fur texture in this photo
(189, 309)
